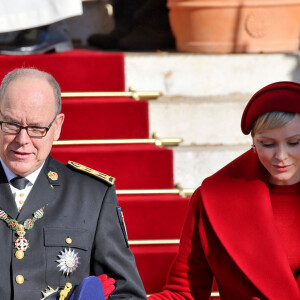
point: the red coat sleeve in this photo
(189, 276)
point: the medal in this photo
(21, 243)
(68, 261)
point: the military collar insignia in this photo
(106, 178)
(68, 261)
(53, 175)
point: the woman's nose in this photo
(281, 153)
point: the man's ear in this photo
(57, 125)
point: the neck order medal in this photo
(21, 243)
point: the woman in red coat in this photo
(243, 224)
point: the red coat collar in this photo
(237, 202)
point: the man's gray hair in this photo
(34, 73)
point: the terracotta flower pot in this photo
(226, 26)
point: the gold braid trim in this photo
(109, 179)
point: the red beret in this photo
(278, 96)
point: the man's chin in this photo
(21, 168)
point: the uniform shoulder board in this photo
(108, 179)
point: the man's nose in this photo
(23, 136)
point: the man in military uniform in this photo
(58, 223)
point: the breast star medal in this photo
(68, 262)
(21, 243)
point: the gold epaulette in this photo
(109, 179)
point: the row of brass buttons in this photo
(20, 278)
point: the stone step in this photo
(207, 120)
(192, 164)
(198, 75)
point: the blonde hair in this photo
(271, 120)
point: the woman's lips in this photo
(282, 168)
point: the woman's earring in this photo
(253, 148)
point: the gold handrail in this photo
(212, 294)
(156, 141)
(177, 191)
(154, 242)
(136, 95)
(215, 294)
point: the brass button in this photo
(68, 240)
(21, 195)
(20, 279)
(20, 208)
(21, 201)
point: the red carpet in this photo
(153, 263)
(105, 118)
(153, 216)
(76, 70)
(134, 166)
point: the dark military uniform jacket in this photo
(82, 217)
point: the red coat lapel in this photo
(237, 203)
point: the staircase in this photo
(111, 134)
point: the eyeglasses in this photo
(32, 131)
